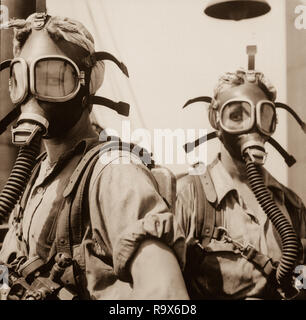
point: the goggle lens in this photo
(54, 78)
(267, 118)
(237, 116)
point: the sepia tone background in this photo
(174, 52)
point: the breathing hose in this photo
(289, 240)
(19, 177)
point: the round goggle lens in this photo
(237, 116)
(55, 78)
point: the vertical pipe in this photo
(16, 9)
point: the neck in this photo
(235, 168)
(55, 147)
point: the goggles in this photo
(240, 116)
(51, 78)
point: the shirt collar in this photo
(81, 146)
(224, 184)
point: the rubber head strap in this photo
(120, 107)
(289, 159)
(293, 113)
(5, 64)
(198, 99)
(91, 60)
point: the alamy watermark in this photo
(166, 145)
(4, 16)
(300, 280)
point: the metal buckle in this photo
(90, 61)
(221, 232)
(82, 78)
(248, 252)
(39, 20)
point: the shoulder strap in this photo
(80, 169)
(76, 193)
(205, 210)
(99, 150)
(70, 223)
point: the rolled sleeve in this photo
(126, 209)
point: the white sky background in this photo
(174, 52)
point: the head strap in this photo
(289, 159)
(293, 113)
(120, 107)
(5, 64)
(198, 99)
(92, 59)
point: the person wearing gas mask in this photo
(108, 236)
(245, 231)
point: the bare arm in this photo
(156, 273)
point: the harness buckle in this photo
(249, 252)
(219, 233)
(39, 20)
(90, 61)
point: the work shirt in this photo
(125, 209)
(222, 272)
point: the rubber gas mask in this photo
(246, 119)
(49, 85)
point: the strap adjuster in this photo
(219, 233)
(40, 20)
(249, 252)
(90, 61)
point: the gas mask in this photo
(245, 119)
(50, 92)
(49, 85)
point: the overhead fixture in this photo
(236, 9)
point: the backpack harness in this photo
(209, 226)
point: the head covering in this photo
(60, 28)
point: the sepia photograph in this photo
(153, 150)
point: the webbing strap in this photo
(5, 64)
(100, 149)
(205, 210)
(81, 167)
(69, 225)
